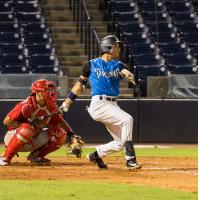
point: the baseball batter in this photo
(28, 128)
(104, 74)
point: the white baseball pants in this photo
(118, 123)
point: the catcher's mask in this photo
(107, 43)
(48, 89)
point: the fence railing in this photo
(88, 35)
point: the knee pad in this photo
(25, 132)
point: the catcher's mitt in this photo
(75, 146)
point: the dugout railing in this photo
(88, 35)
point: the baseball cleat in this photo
(38, 161)
(94, 157)
(132, 164)
(3, 162)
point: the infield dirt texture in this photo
(180, 173)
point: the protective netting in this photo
(14, 86)
(183, 86)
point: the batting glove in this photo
(64, 107)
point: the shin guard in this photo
(13, 147)
(23, 134)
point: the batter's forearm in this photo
(76, 90)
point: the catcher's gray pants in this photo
(35, 143)
(118, 123)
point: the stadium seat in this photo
(34, 28)
(29, 17)
(152, 7)
(6, 7)
(187, 27)
(13, 63)
(132, 27)
(122, 6)
(161, 27)
(42, 49)
(164, 38)
(125, 16)
(37, 38)
(155, 17)
(139, 49)
(181, 60)
(171, 48)
(7, 17)
(190, 38)
(9, 27)
(180, 7)
(44, 64)
(131, 38)
(24, 7)
(184, 17)
(149, 60)
(14, 49)
(10, 38)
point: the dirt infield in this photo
(177, 173)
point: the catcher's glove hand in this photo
(75, 146)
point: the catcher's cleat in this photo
(38, 161)
(4, 162)
(94, 157)
(133, 164)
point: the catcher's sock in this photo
(94, 157)
(13, 147)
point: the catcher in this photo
(35, 125)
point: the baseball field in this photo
(169, 172)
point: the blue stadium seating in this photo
(13, 63)
(44, 64)
(169, 32)
(26, 44)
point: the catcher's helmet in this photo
(107, 43)
(42, 85)
(48, 88)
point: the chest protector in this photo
(32, 110)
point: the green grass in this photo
(78, 190)
(155, 152)
(75, 190)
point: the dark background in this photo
(155, 120)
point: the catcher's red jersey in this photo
(28, 109)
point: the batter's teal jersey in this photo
(104, 77)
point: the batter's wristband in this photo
(72, 96)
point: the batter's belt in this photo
(105, 98)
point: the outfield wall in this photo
(155, 120)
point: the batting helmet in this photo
(107, 43)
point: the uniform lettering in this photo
(114, 73)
